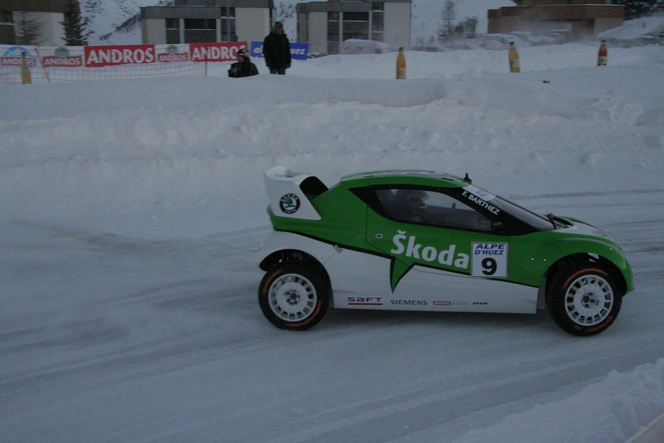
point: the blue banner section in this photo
(299, 51)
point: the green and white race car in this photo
(422, 241)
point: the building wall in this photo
(33, 5)
(317, 32)
(153, 30)
(313, 23)
(396, 31)
(559, 2)
(503, 24)
(251, 20)
(252, 24)
(49, 13)
(7, 36)
(577, 17)
(604, 24)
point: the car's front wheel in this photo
(584, 299)
(293, 296)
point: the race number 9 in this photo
(489, 260)
(489, 267)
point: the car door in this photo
(443, 251)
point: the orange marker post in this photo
(513, 57)
(26, 77)
(602, 55)
(401, 65)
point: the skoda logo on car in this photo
(289, 203)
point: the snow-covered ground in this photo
(131, 210)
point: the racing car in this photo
(426, 241)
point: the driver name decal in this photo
(480, 198)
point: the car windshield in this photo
(532, 219)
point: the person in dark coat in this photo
(276, 50)
(243, 67)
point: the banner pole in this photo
(41, 62)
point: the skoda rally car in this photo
(421, 241)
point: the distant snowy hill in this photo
(117, 21)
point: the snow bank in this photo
(203, 143)
(635, 28)
(608, 411)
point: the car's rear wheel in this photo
(584, 299)
(293, 296)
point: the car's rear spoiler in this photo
(290, 193)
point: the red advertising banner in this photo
(98, 56)
(215, 52)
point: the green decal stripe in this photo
(397, 274)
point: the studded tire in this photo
(293, 296)
(584, 299)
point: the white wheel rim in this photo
(589, 300)
(292, 297)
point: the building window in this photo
(356, 17)
(6, 17)
(377, 20)
(199, 23)
(333, 32)
(356, 25)
(231, 12)
(200, 30)
(228, 21)
(172, 31)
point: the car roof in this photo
(407, 177)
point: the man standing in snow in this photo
(243, 67)
(276, 50)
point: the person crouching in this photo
(243, 67)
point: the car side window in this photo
(430, 208)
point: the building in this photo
(199, 21)
(538, 16)
(32, 22)
(325, 25)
